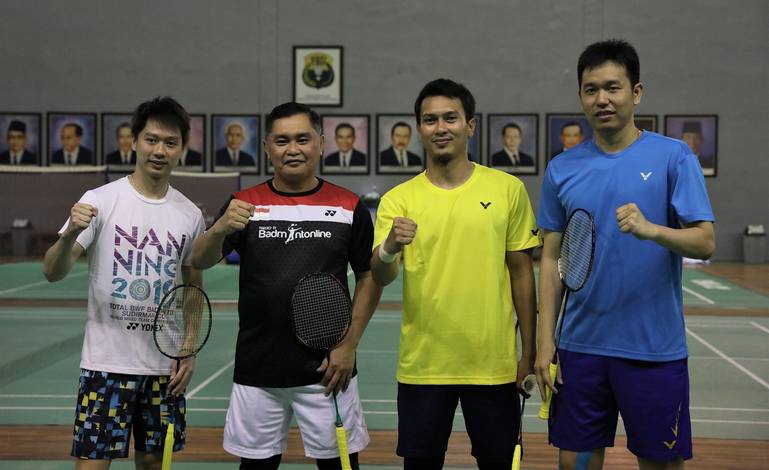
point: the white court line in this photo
(760, 327)
(728, 359)
(210, 379)
(699, 296)
(35, 284)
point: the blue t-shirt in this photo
(631, 305)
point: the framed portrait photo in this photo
(346, 145)
(700, 132)
(646, 122)
(236, 143)
(193, 158)
(72, 139)
(21, 142)
(318, 75)
(513, 141)
(399, 149)
(475, 144)
(117, 142)
(564, 131)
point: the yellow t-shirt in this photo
(458, 325)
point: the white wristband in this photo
(386, 257)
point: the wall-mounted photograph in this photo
(318, 75)
(513, 142)
(117, 142)
(399, 148)
(700, 132)
(236, 143)
(193, 158)
(564, 131)
(345, 150)
(21, 142)
(72, 138)
(646, 122)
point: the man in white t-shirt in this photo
(137, 233)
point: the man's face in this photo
(400, 138)
(344, 138)
(69, 139)
(294, 147)
(512, 139)
(16, 141)
(444, 128)
(693, 140)
(124, 139)
(234, 137)
(608, 99)
(571, 136)
(158, 149)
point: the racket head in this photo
(182, 322)
(577, 250)
(320, 311)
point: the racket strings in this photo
(183, 322)
(577, 248)
(321, 311)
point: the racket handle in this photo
(341, 441)
(517, 457)
(168, 447)
(544, 409)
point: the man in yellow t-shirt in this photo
(464, 234)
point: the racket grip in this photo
(168, 447)
(544, 409)
(517, 457)
(341, 440)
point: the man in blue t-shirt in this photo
(622, 346)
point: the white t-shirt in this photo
(135, 247)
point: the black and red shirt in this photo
(290, 235)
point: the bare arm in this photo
(207, 248)
(694, 240)
(550, 298)
(342, 358)
(402, 233)
(181, 378)
(519, 264)
(61, 256)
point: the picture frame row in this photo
(512, 141)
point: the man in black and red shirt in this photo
(292, 225)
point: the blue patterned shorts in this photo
(109, 405)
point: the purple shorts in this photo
(652, 397)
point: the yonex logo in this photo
(132, 326)
(485, 204)
(535, 232)
(646, 176)
(330, 213)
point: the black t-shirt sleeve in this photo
(362, 239)
(231, 241)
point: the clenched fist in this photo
(80, 217)
(235, 218)
(402, 233)
(631, 220)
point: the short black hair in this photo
(122, 126)
(78, 128)
(164, 109)
(511, 125)
(289, 109)
(344, 125)
(618, 51)
(399, 124)
(572, 123)
(449, 89)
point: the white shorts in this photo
(258, 419)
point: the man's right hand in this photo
(80, 217)
(402, 233)
(235, 218)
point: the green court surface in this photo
(40, 350)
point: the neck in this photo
(617, 141)
(153, 188)
(299, 186)
(450, 171)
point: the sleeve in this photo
(552, 214)
(198, 228)
(385, 214)
(362, 238)
(87, 236)
(231, 241)
(522, 231)
(689, 195)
